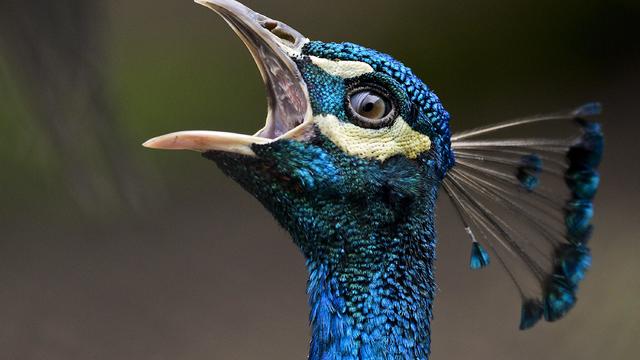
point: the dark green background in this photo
(112, 251)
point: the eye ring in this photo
(370, 107)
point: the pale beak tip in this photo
(149, 143)
(159, 142)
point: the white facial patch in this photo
(380, 144)
(343, 69)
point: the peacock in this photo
(350, 162)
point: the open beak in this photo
(272, 44)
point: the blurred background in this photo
(112, 251)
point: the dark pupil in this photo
(369, 105)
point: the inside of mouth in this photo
(286, 91)
(286, 99)
(280, 120)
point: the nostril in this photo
(284, 35)
(275, 28)
(269, 24)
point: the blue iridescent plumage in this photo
(573, 262)
(436, 119)
(360, 203)
(587, 153)
(559, 297)
(583, 183)
(579, 213)
(531, 312)
(529, 170)
(479, 256)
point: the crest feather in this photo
(530, 202)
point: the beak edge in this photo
(203, 141)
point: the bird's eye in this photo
(369, 105)
(370, 109)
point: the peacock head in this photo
(352, 138)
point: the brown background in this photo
(110, 251)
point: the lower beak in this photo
(273, 46)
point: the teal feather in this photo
(578, 215)
(560, 297)
(573, 262)
(583, 183)
(529, 171)
(531, 313)
(479, 257)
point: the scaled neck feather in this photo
(375, 301)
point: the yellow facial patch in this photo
(380, 144)
(343, 68)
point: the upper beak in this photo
(273, 46)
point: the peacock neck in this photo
(373, 300)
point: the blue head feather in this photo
(559, 299)
(578, 215)
(532, 311)
(587, 153)
(529, 171)
(479, 256)
(429, 115)
(573, 262)
(574, 259)
(583, 183)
